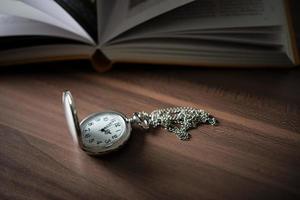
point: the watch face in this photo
(103, 132)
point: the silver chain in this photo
(177, 120)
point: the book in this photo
(214, 33)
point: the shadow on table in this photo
(132, 153)
(264, 82)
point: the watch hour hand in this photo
(105, 130)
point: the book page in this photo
(18, 26)
(218, 14)
(51, 8)
(231, 13)
(185, 34)
(46, 53)
(104, 15)
(25, 11)
(127, 14)
(84, 12)
(136, 7)
(196, 53)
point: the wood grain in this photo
(253, 154)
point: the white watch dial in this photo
(102, 130)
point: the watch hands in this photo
(105, 128)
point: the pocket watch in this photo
(104, 132)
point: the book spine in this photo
(100, 62)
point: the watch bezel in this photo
(103, 150)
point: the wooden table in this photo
(253, 154)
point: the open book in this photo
(235, 33)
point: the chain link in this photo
(177, 120)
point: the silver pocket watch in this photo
(104, 132)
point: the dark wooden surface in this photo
(253, 154)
